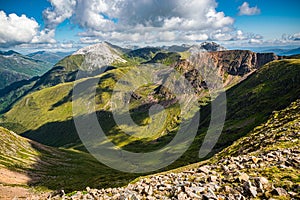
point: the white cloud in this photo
(255, 41)
(293, 37)
(245, 9)
(45, 36)
(16, 30)
(54, 47)
(59, 12)
(22, 30)
(121, 21)
(235, 35)
(140, 21)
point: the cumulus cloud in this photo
(45, 36)
(237, 35)
(143, 21)
(59, 12)
(22, 30)
(293, 37)
(245, 9)
(138, 21)
(16, 29)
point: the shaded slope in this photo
(55, 169)
(143, 54)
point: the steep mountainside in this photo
(15, 67)
(233, 66)
(63, 71)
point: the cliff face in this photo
(232, 66)
(240, 62)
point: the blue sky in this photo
(277, 17)
(70, 24)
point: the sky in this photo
(63, 25)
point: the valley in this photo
(40, 140)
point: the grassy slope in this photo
(54, 169)
(56, 111)
(250, 103)
(63, 71)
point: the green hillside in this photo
(249, 104)
(63, 71)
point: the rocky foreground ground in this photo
(230, 178)
(263, 165)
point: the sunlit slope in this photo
(46, 115)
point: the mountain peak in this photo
(202, 47)
(103, 53)
(95, 48)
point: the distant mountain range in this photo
(280, 51)
(15, 67)
(50, 57)
(284, 52)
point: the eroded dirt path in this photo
(12, 186)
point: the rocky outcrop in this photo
(203, 47)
